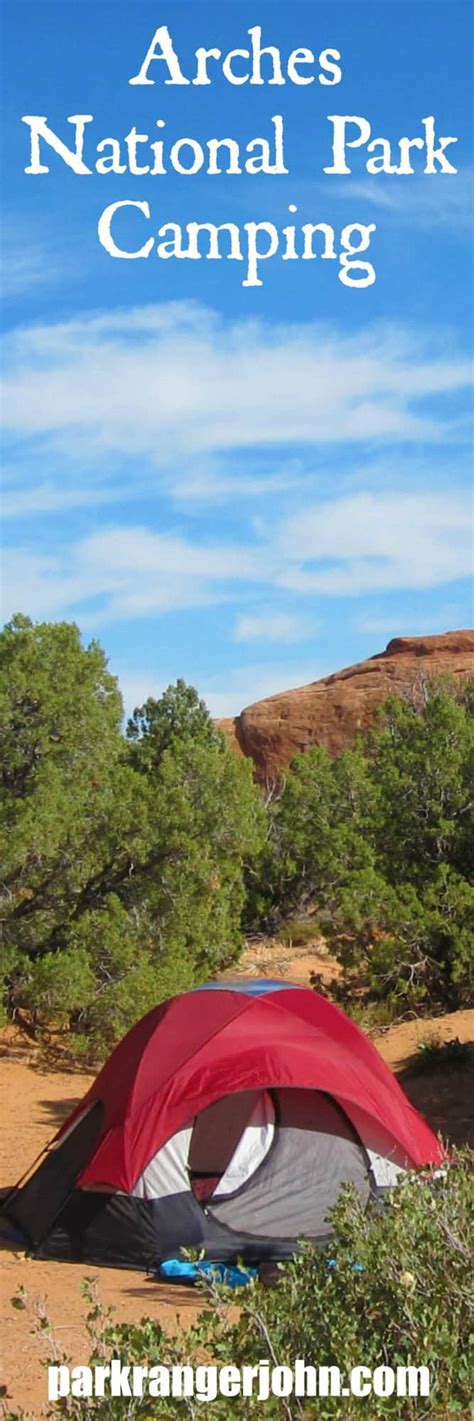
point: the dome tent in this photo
(226, 1120)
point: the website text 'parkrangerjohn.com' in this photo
(206, 1383)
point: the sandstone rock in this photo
(330, 711)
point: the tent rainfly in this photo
(226, 1120)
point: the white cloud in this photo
(122, 573)
(21, 271)
(211, 480)
(283, 627)
(50, 498)
(409, 622)
(371, 542)
(128, 550)
(33, 256)
(346, 546)
(170, 384)
(195, 487)
(417, 200)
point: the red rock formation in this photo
(330, 711)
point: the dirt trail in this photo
(35, 1100)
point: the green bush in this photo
(434, 1055)
(409, 1303)
(297, 932)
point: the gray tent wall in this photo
(315, 1152)
(295, 1149)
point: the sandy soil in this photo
(35, 1100)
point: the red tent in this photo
(228, 1118)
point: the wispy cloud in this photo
(33, 255)
(167, 385)
(274, 626)
(50, 498)
(28, 263)
(417, 200)
(341, 547)
(21, 271)
(224, 479)
(411, 622)
(369, 543)
(112, 406)
(123, 573)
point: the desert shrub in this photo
(408, 1303)
(371, 1016)
(296, 932)
(434, 1054)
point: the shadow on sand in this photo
(58, 1110)
(444, 1093)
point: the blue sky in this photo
(245, 487)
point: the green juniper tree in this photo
(380, 842)
(123, 857)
